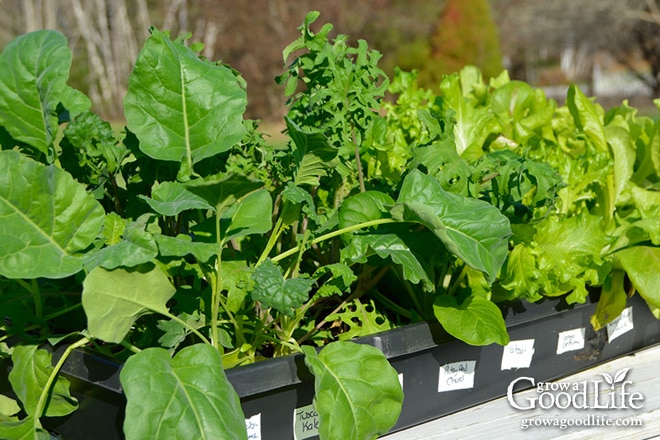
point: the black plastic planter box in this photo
(440, 375)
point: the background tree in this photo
(465, 33)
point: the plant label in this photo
(518, 354)
(570, 340)
(622, 324)
(456, 376)
(253, 425)
(401, 379)
(305, 423)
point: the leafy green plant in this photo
(188, 244)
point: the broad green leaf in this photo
(235, 276)
(476, 321)
(389, 246)
(642, 264)
(223, 191)
(180, 398)
(612, 300)
(272, 290)
(180, 107)
(182, 245)
(251, 215)
(9, 408)
(363, 207)
(34, 69)
(113, 300)
(312, 154)
(171, 198)
(46, 217)
(28, 377)
(472, 229)
(357, 392)
(136, 247)
(28, 428)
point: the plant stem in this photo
(33, 288)
(41, 404)
(329, 235)
(272, 240)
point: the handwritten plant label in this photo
(622, 324)
(570, 340)
(456, 376)
(305, 422)
(518, 354)
(253, 425)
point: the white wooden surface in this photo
(497, 419)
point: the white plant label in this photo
(622, 324)
(401, 379)
(253, 425)
(305, 423)
(570, 340)
(518, 354)
(456, 376)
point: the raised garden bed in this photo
(276, 396)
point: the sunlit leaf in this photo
(357, 392)
(185, 397)
(113, 300)
(46, 217)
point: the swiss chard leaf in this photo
(184, 397)
(358, 394)
(180, 107)
(476, 321)
(113, 300)
(46, 218)
(472, 229)
(389, 246)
